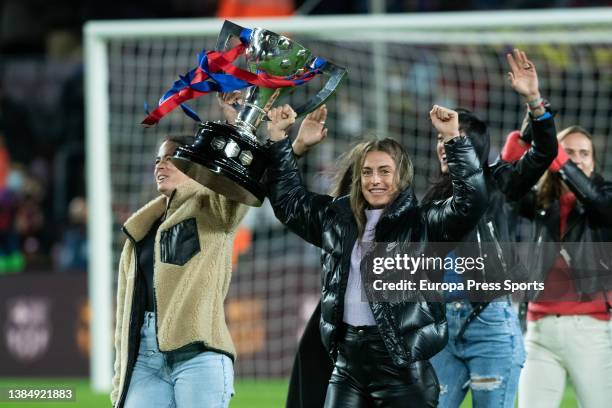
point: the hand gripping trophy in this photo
(230, 158)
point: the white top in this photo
(357, 310)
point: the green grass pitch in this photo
(249, 394)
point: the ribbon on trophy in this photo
(216, 72)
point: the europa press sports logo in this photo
(28, 327)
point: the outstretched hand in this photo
(523, 76)
(312, 131)
(226, 102)
(281, 119)
(446, 122)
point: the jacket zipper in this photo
(164, 217)
(397, 348)
(497, 246)
(479, 240)
(569, 227)
(155, 295)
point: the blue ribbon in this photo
(221, 82)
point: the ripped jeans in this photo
(488, 360)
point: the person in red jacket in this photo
(568, 329)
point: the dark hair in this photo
(181, 140)
(476, 129)
(440, 189)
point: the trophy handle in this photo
(228, 30)
(336, 75)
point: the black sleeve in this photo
(594, 193)
(450, 219)
(526, 206)
(516, 179)
(300, 210)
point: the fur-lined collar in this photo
(137, 226)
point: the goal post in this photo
(399, 65)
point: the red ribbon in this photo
(216, 62)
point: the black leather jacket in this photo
(507, 183)
(410, 331)
(588, 234)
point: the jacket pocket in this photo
(179, 243)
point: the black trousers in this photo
(365, 376)
(312, 368)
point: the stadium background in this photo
(44, 314)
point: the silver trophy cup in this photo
(230, 158)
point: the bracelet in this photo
(535, 103)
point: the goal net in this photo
(399, 66)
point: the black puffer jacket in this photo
(410, 331)
(586, 243)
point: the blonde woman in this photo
(381, 350)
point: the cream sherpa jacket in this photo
(192, 273)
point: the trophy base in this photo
(225, 161)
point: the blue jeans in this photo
(488, 359)
(185, 378)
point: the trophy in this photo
(230, 158)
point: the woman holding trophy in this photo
(173, 347)
(171, 339)
(381, 350)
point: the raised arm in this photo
(300, 210)
(523, 160)
(312, 131)
(450, 219)
(227, 212)
(593, 192)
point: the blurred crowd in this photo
(29, 235)
(42, 205)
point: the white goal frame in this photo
(553, 25)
